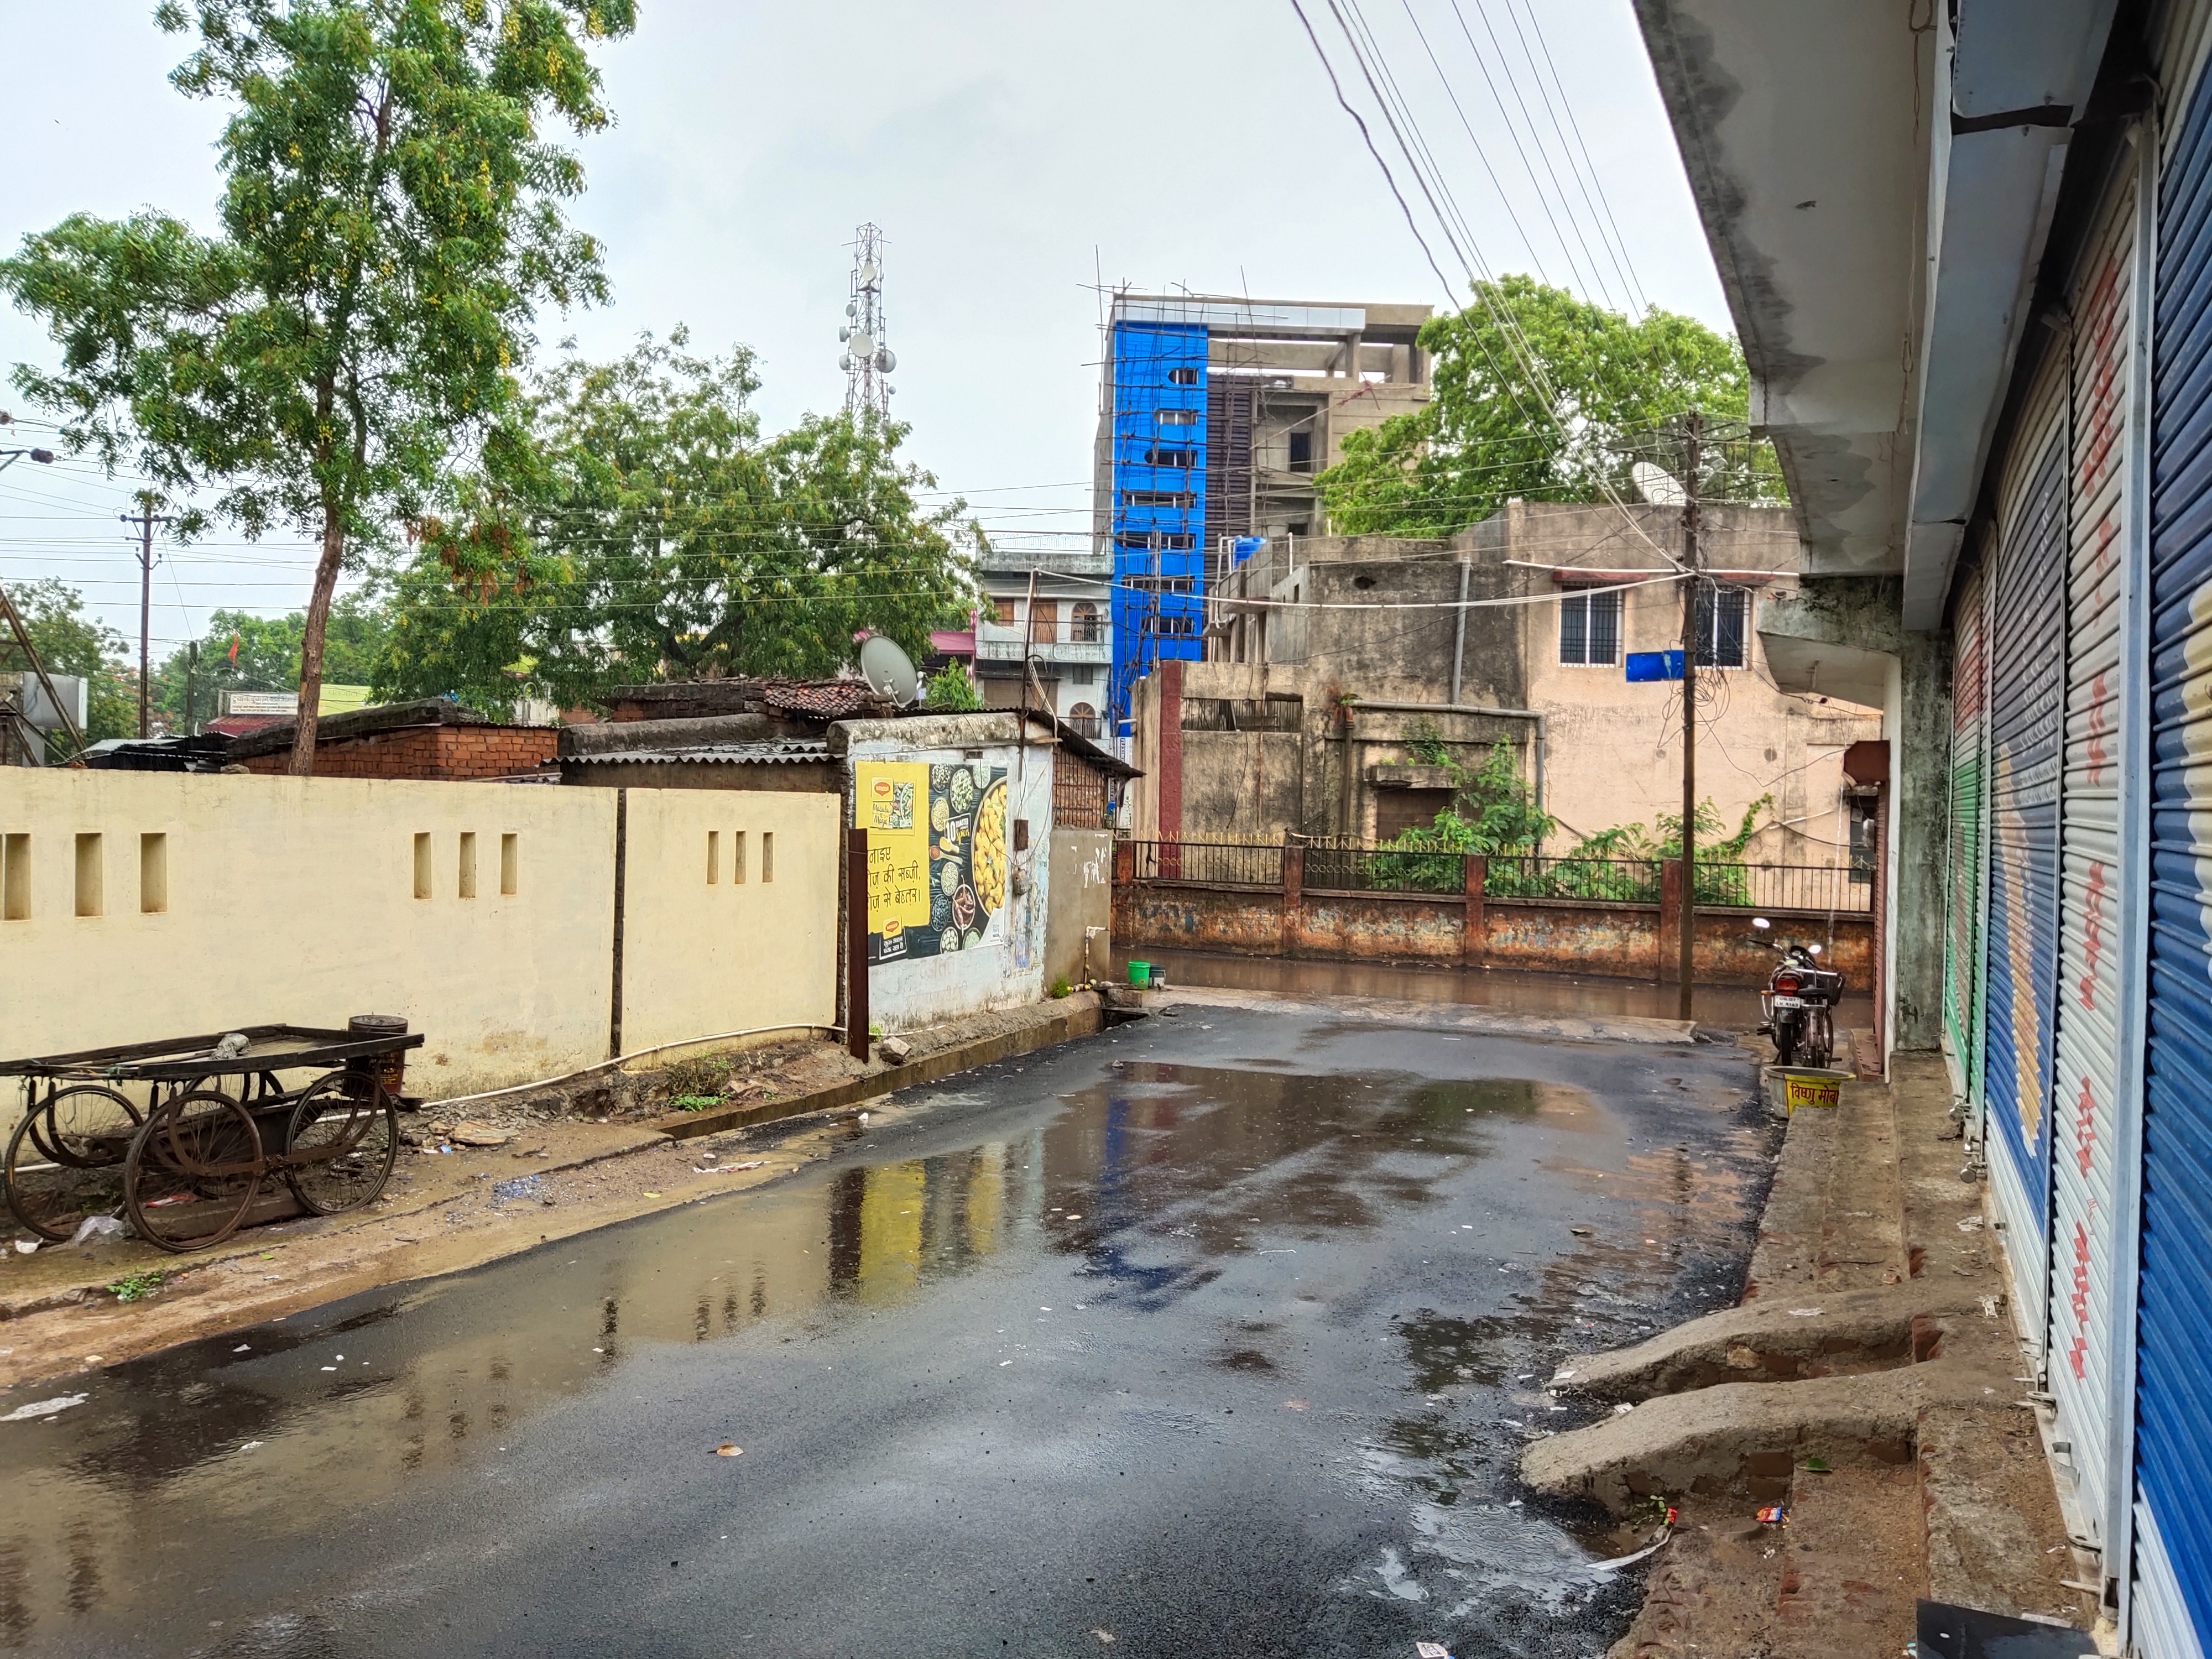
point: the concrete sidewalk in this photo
(1871, 1385)
(60, 1310)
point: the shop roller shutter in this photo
(2085, 1194)
(2028, 667)
(1962, 943)
(2174, 1381)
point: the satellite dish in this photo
(843, 335)
(1657, 485)
(863, 345)
(888, 670)
(852, 308)
(868, 273)
(846, 361)
(886, 360)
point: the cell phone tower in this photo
(867, 361)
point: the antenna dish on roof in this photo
(888, 670)
(1657, 485)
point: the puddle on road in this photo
(1151, 1183)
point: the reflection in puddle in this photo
(1149, 1185)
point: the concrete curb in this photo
(1080, 1016)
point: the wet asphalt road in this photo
(1216, 1336)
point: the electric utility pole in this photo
(146, 520)
(1691, 434)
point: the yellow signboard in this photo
(890, 801)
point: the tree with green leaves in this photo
(390, 221)
(69, 642)
(655, 533)
(240, 652)
(1540, 395)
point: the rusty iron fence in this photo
(1619, 881)
(1785, 887)
(1216, 864)
(1344, 864)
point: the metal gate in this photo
(2027, 686)
(1962, 943)
(2086, 1210)
(2173, 1603)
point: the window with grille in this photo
(1723, 622)
(1590, 628)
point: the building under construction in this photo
(1215, 414)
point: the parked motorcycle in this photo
(1800, 1002)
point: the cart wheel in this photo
(193, 1171)
(342, 1140)
(65, 1159)
(84, 1126)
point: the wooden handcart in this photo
(183, 1137)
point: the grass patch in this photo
(136, 1287)
(694, 1103)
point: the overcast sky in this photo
(1012, 153)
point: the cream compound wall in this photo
(701, 957)
(296, 900)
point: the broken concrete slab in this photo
(1743, 1438)
(1841, 1334)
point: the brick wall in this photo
(445, 753)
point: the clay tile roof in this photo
(823, 700)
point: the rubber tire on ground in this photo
(316, 1104)
(1785, 1041)
(156, 1151)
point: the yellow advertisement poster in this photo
(890, 801)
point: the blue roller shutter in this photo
(2173, 1391)
(2028, 667)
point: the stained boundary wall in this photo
(139, 906)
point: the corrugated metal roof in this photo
(780, 752)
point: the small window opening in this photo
(468, 883)
(737, 857)
(713, 856)
(90, 868)
(510, 864)
(422, 866)
(153, 874)
(1182, 377)
(1301, 452)
(1175, 416)
(768, 855)
(15, 878)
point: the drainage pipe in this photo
(1459, 628)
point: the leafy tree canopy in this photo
(69, 642)
(1540, 395)
(645, 529)
(390, 219)
(268, 656)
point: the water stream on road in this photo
(1236, 1324)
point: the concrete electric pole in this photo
(1692, 433)
(146, 519)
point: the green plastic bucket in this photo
(1140, 974)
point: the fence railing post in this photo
(1670, 919)
(1125, 863)
(1292, 925)
(1474, 923)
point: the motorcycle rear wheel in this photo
(1786, 1033)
